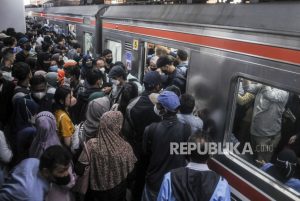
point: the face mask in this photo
(62, 181)
(115, 82)
(39, 95)
(156, 111)
(108, 61)
(67, 81)
(102, 70)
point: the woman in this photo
(95, 110)
(64, 99)
(112, 160)
(46, 135)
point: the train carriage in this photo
(80, 20)
(226, 43)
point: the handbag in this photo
(82, 182)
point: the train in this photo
(226, 44)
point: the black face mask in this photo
(62, 181)
(108, 61)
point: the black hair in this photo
(59, 39)
(174, 89)
(75, 71)
(47, 39)
(120, 63)
(20, 71)
(54, 156)
(45, 46)
(10, 31)
(130, 91)
(93, 75)
(76, 45)
(9, 41)
(187, 104)
(201, 140)
(164, 60)
(37, 80)
(7, 54)
(60, 94)
(182, 54)
(106, 52)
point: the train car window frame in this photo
(232, 108)
(116, 53)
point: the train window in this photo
(266, 130)
(88, 43)
(72, 30)
(116, 49)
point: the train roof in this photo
(265, 17)
(90, 10)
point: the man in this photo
(94, 79)
(195, 181)
(138, 121)
(107, 54)
(173, 75)
(118, 78)
(75, 52)
(25, 46)
(101, 65)
(7, 63)
(30, 180)
(182, 57)
(187, 104)
(156, 143)
(265, 130)
(21, 71)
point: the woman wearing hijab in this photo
(46, 135)
(284, 169)
(111, 160)
(95, 110)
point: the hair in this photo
(45, 46)
(164, 60)
(174, 89)
(8, 54)
(54, 156)
(59, 39)
(76, 45)
(21, 71)
(9, 41)
(37, 80)
(60, 94)
(130, 91)
(187, 104)
(120, 63)
(160, 51)
(201, 139)
(93, 75)
(75, 71)
(106, 52)
(10, 31)
(182, 54)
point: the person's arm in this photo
(275, 95)
(5, 151)
(165, 192)
(245, 99)
(67, 129)
(222, 191)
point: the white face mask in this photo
(115, 82)
(102, 70)
(39, 95)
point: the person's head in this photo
(46, 47)
(77, 47)
(152, 63)
(165, 63)
(200, 140)
(182, 55)
(87, 61)
(130, 91)
(166, 103)
(38, 86)
(187, 104)
(161, 51)
(10, 31)
(64, 98)
(118, 75)
(8, 57)
(52, 79)
(61, 41)
(55, 163)
(286, 163)
(22, 41)
(101, 64)
(111, 122)
(152, 82)
(10, 42)
(58, 59)
(107, 54)
(174, 89)
(94, 77)
(21, 71)
(120, 63)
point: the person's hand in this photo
(261, 163)
(292, 139)
(115, 107)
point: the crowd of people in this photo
(75, 127)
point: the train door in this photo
(116, 48)
(88, 43)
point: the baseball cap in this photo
(168, 99)
(117, 71)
